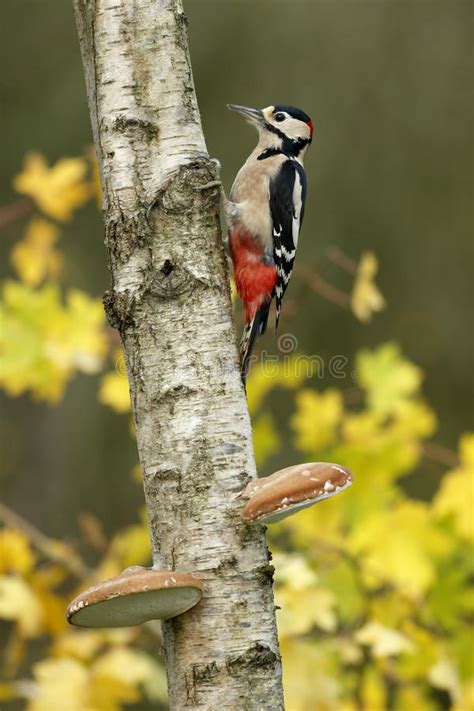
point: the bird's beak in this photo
(255, 116)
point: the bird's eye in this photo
(279, 117)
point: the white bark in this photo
(170, 300)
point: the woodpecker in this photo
(264, 214)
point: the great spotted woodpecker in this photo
(265, 212)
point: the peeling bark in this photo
(169, 299)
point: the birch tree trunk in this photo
(169, 298)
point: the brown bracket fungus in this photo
(135, 596)
(273, 498)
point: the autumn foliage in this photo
(372, 585)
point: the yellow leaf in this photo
(136, 474)
(114, 391)
(61, 685)
(350, 653)
(114, 678)
(26, 317)
(287, 373)
(131, 669)
(303, 603)
(292, 571)
(444, 675)
(399, 546)
(426, 642)
(316, 419)
(42, 581)
(265, 438)
(80, 644)
(412, 697)
(258, 385)
(108, 567)
(79, 340)
(467, 697)
(383, 641)
(373, 691)
(43, 342)
(466, 450)
(19, 604)
(8, 692)
(344, 580)
(386, 448)
(35, 258)
(84, 644)
(16, 555)
(303, 609)
(413, 420)
(456, 494)
(387, 378)
(366, 298)
(391, 609)
(132, 545)
(96, 182)
(310, 680)
(316, 526)
(57, 191)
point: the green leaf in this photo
(387, 378)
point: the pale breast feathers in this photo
(250, 196)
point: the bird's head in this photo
(283, 127)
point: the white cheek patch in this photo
(296, 129)
(297, 205)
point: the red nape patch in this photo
(254, 279)
(311, 127)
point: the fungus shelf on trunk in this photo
(273, 498)
(135, 596)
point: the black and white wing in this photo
(287, 200)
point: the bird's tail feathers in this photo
(253, 329)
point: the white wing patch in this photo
(283, 276)
(289, 255)
(297, 205)
(281, 251)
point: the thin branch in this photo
(51, 548)
(319, 285)
(336, 255)
(9, 213)
(442, 455)
(60, 553)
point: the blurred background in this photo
(389, 88)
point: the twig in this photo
(352, 396)
(441, 455)
(16, 209)
(60, 553)
(55, 550)
(319, 285)
(336, 255)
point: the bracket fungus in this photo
(135, 596)
(273, 498)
